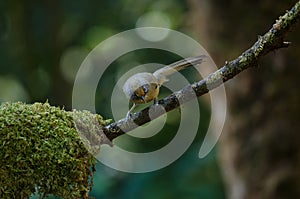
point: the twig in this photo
(272, 40)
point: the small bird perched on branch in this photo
(144, 87)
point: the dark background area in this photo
(42, 44)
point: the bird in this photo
(144, 87)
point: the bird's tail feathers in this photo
(163, 73)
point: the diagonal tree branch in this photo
(272, 40)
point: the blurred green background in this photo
(42, 44)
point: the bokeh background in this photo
(42, 44)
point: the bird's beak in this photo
(143, 98)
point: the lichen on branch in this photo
(270, 41)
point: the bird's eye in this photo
(145, 88)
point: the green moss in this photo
(41, 151)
